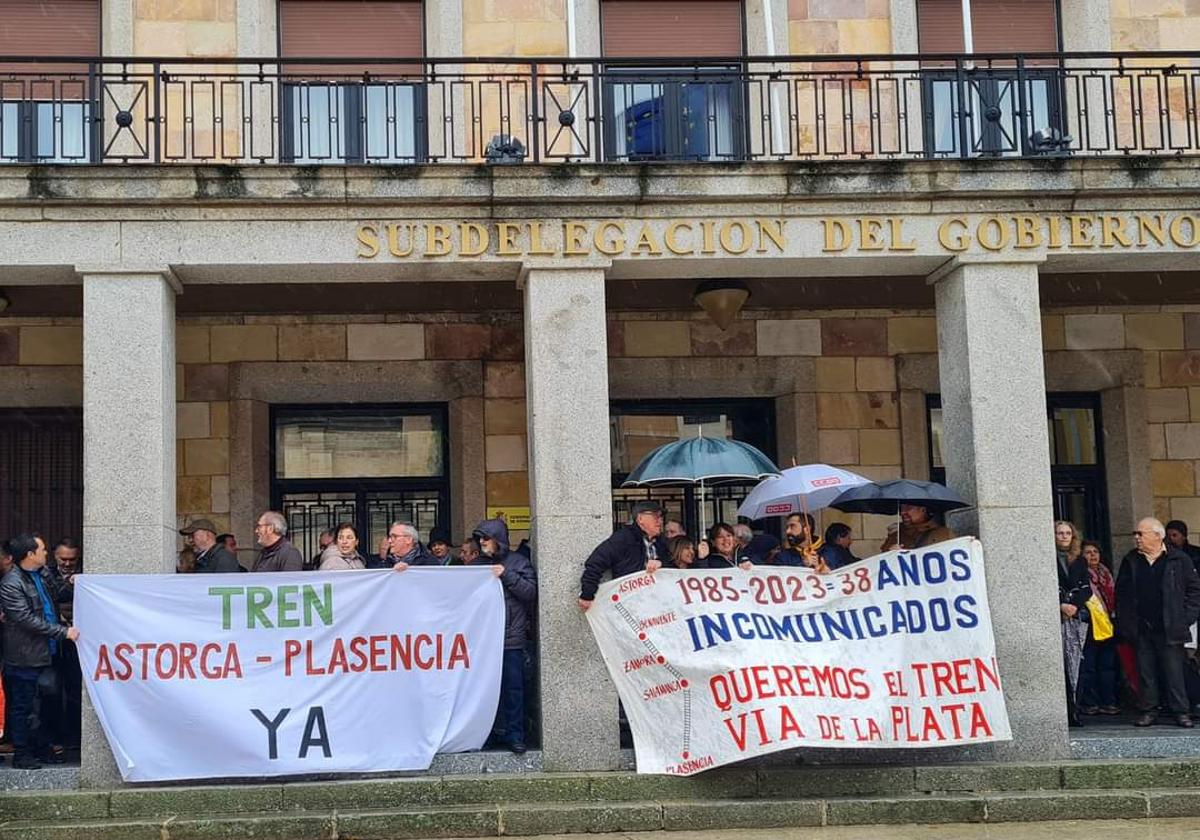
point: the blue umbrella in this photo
(701, 460)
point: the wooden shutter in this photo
(671, 28)
(48, 28)
(997, 26)
(351, 29)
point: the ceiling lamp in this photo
(722, 300)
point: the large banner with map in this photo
(718, 665)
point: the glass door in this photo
(370, 466)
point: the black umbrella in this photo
(885, 497)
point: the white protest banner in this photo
(203, 676)
(718, 665)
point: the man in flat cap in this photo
(638, 546)
(211, 556)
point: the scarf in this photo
(1104, 587)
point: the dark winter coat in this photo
(280, 557)
(418, 556)
(1074, 582)
(519, 581)
(836, 556)
(1181, 597)
(219, 560)
(27, 634)
(624, 553)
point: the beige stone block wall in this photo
(1169, 338)
(508, 28)
(202, 116)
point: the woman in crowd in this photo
(724, 551)
(185, 563)
(342, 554)
(683, 553)
(1098, 672)
(1074, 588)
(836, 550)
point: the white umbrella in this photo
(800, 489)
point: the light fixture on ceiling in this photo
(722, 300)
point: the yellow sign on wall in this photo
(517, 518)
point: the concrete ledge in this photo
(395, 825)
(928, 809)
(146, 185)
(1078, 805)
(703, 816)
(168, 802)
(722, 784)
(574, 818)
(989, 777)
(1131, 774)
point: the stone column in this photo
(566, 375)
(997, 457)
(128, 445)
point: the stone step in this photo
(537, 818)
(758, 784)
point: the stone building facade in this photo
(179, 303)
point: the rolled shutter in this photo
(997, 26)
(48, 28)
(351, 29)
(671, 28)
(1025, 26)
(939, 26)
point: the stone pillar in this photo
(997, 456)
(566, 375)
(128, 445)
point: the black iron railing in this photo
(496, 110)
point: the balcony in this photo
(241, 111)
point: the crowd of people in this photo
(1129, 638)
(650, 542)
(1130, 635)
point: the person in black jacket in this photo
(1158, 600)
(1074, 589)
(1177, 537)
(405, 549)
(211, 555)
(32, 635)
(639, 546)
(519, 580)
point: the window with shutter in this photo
(45, 112)
(990, 108)
(692, 110)
(349, 112)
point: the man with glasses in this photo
(1158, 600)
(278, 554)
(639, 546)
(405, 549)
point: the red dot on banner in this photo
(642, 636)
(616, 598)
(683, 683)
(662, 659)
(686, 754)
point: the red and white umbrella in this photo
(800, 489)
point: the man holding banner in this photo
(639, 546)
(519, 580)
